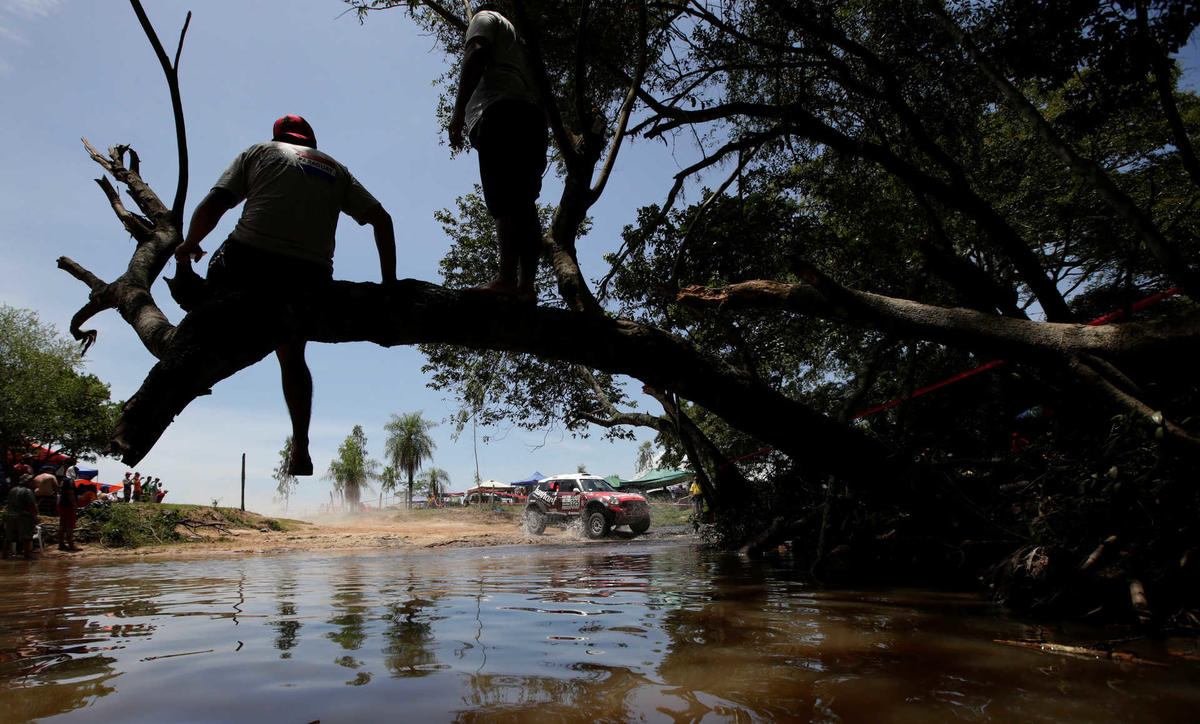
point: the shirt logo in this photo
(314, 165)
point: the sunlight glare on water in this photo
(625, 631)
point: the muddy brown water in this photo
(621, 631)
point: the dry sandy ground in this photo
(459, 528)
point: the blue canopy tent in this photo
(527, 483)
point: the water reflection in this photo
(628, 631)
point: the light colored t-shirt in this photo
(293, 196)
(507, 74)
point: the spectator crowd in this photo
(59, 491)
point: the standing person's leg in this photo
(521, 234)
(10, 535)
(511, 142)
(67, 518)
(297, 392)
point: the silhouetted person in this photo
(283, 243)
(497, 103)
(20, 517)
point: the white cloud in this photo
(26, 10)
(32, 8)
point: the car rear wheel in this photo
(596, 525)
(640, 526)
(535, 521)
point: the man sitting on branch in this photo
(282, 246)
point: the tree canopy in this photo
(45, 398)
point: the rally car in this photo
(563, 498)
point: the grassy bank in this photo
(133, 525)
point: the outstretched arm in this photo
(474, 61)
(204, 220)
(385, 241)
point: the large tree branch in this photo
(228, 335)
(822, 297)
(1109, 391)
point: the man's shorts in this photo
(18, 527)
(511, 140)
(237, 265)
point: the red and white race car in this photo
(563, 498)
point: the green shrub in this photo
(131, 525)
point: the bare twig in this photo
(172, 74)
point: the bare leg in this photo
(506, 281)
(520, 248)
(529, 233)
(297, 392)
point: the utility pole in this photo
(243, 482)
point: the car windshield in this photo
(595, 485)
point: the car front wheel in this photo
(640, 526)
(535, 521)
(597, 525)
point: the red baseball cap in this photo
(292, 128)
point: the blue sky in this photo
(72, 68)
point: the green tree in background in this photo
(409, 445)
(353, 469)
(44, 398)
(435, 482)
(285, 482)
(645, 457)
(389, 481)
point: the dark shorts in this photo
(236, 265)
(18, 527)
(511, 140)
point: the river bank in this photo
(156, 530)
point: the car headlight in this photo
(612, 500)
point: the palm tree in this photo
(435, 481)
(352, 470)
(409, 445)
(388, 481)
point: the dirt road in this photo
(217, 532)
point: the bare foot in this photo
(300, 464)
(498, 286)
